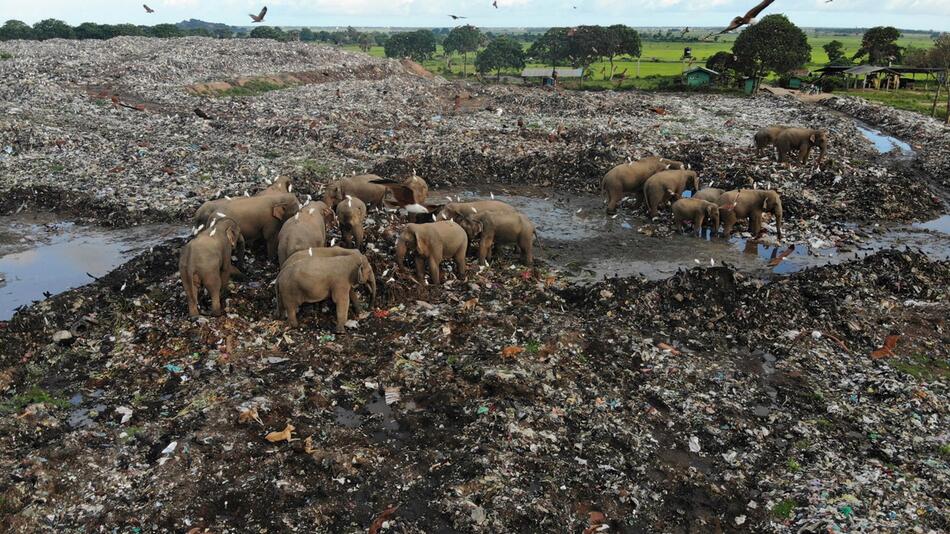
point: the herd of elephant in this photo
(295, 233)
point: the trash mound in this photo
(932, 136)
(282, 80)
(509, 402)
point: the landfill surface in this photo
(711, 400)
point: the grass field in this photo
(662, 58)
(919, 101)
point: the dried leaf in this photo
(511, 351)
(284, 435)
(890, 343)
(380, 314)
(596, 520)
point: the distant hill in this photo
(193, 24)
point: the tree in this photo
(90, 30)
(307, 35)
(366, 42)
(880, 45)
(464, 40)
(223, 33)
(268, 32)
(419, 45)
(620, 40)
(551, 48)
(380, 38)
(721, 62)
(773, 45)
(127, 29)
(15, 29)
(939, 57)
(584, 44)
(165, 31)
(835, 51)
(52, 29)
(502, 53)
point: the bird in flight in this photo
(495, 4)
(148, 9)
(685, 31)
(260, 17)
(748, 18)
(456, 17)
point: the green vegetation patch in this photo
(922, 367)
(784, 509)
(252, 88)
(34, 395)
(5, 55)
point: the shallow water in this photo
(40, 254)
(578, 238)
(882, 142)
(940, 224)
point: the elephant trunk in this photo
(371, 281)
(400, 252)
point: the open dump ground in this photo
(725, 396)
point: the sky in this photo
(910, 14)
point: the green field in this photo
(919, 101)
(662, 58)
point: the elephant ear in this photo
(356, 275)
(811, 138)
(232, 235)
(338, 192)
(422, 245)
(278, 211)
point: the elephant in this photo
(457, 210)
(279, 186)
(802, 140)
(412, 192)
(206, 261)
(630, 177)
(260, 218)
(710, 194)
(314, 279)
(304, 230)
(361, 187)
(433, 242)
(501, 228)
(351, 213)
(697, 211)
(766, 137)
(664, 185)
(749, 203)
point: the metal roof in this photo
(703, 69)
(543, 72)
(867, 69)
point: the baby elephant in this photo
(457, 210)
(663, 186)
(316, 278)
(697, 211)
(751, 204)
(351, 214)
(630, 177)
(433, 242)
(802, 140)
(361, 187)
(501, 228)
(206, 261)
(766, 137)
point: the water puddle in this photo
(41, 255)
(577, 237)
(882, 142)
(940, 224)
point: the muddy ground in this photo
(724, 397)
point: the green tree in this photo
(502, 53)
(620, 40)
(880, 45)
(551, 48)
(721, 62)
(127, 29)
(165, 31)
(380, 38)
(835, 50)
(419, 45)
(464, 40)
(268, 32)
(307, 35)
(224, 33)
(584, 45)
(939, 57)
(52, 29)
(773, 45)
(91, 30)
(366, 42)
(15, 29)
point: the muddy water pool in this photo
(42, 255)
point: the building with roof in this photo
(697, 77)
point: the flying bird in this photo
(456, 17)
(148, 9)
(260, 17)
(748, 18)
(495, 4)
(685, 31)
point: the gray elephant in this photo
(709, 194)
(432, 243)
(629, 178)
(351, 214)
(205, 261)
(314, 279)
(457, 210)
(306, 229)
(501, 228)
(801, 140)
(766, 137)
(696, 211)
(278, 187)
(750, 204)
(361, 187)
(664, 185)
(260, 218)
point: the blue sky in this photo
(917, 14)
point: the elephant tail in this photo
(538, 238)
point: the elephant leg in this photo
(698, 225)
(214, 289)
(804, 151)
(291, 310)
(272, 249)
(727, 225)
(341, 297)
(358, 233)
(484, 247)
(355, 301)
(191, 294)
(613, 198)
(460, 264)
(527, 249)
(420, 269)
(239, 253)
(434, 269)
(755, 223)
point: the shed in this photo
(699, 77)
(545, 72)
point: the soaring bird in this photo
(148, 9)
(259, 18)
(495, 3)
(456, 17)
(748, 18)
